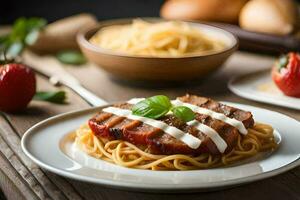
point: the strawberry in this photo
(286, 74)
(17, 87)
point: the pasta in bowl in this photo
(162, 39)
(157, 50)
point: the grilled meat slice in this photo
(231, 112)
(156, 141)
(132, 131)
(114, 127)
(169, 145)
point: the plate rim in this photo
(146, 186)
(250, 96)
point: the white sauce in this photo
(211, 133)
(188, 139)
(233, 122)
(135, 100)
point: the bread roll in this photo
(204, 10)
(61, 34)
(269, 16)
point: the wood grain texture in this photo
(22, 170)
(12, 184)
(283, 186)
(45, 186)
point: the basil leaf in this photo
(153, 107)
(58, 97)
(184, 113)
(71, 57)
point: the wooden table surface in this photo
(22, 179)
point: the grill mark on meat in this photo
(109, 126)
(101, 117)
(132, 124)
(114, 121)
(122, 123)
(132, 133)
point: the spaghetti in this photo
(259, 138)
(164, 39)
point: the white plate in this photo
(49, 145)
(258, 86)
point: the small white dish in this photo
(50, 145)
(258, 86)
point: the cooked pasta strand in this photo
(162, 39)
(259, 138)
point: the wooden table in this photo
(20, 178)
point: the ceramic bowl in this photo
(146, 68)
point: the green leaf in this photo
(33, 26)
(24, 32)
(4, 42)
(58, 97)
(3, 39)
(19, 29)
(153, 107)
(71, 57)
(184, 113)
(15, 49)
(32, 37)
(35, 23)
(282, 61)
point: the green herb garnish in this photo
(184, 113)
(72, 57)
(24, 33)
(153, 107)
(58, 97)
(158, 106)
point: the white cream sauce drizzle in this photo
(211, 133)
(233, 122)
(188, 139)
(135, 100)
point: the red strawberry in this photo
(17, 87)
(286, 74)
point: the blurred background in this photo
(56, 9)
(267, 26)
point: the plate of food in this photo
(280, 86)
(158, 144)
